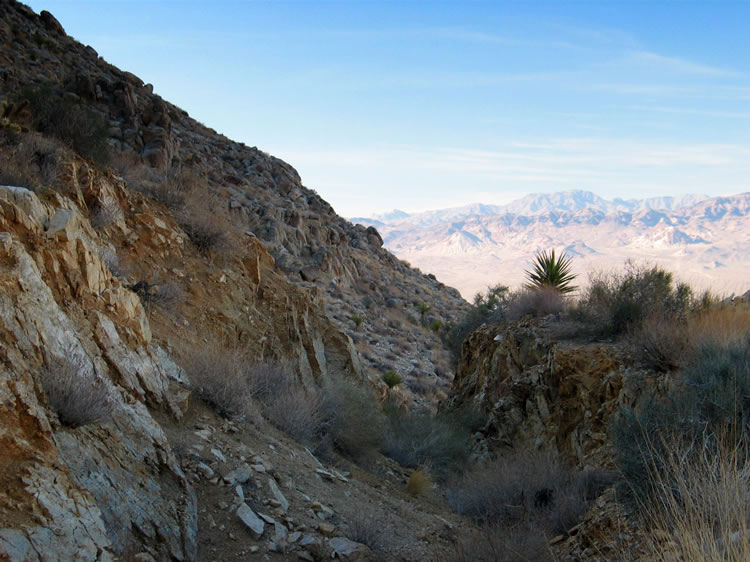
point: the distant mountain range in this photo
(705, 241)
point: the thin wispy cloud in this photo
(678, 65)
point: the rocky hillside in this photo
(163, 240)
(365, 291)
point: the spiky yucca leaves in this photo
(551, 271)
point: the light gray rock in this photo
(252, 521)
(278, 496)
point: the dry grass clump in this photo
(418, 482)
(723, 325)
(536, 302)
(75, 392)
(701, 501)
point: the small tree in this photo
(551, 271)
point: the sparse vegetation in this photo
(538, 302)
(75, 392)
(357, 319)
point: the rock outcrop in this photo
(539, 392)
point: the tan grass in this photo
(724, 325)
(702, 503)
(418, 482)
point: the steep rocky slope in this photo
(104, 280)
(258, 195)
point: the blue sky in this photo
(421, 105)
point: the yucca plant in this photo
(551, 271)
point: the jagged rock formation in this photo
(540, 392)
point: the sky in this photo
(421, 105)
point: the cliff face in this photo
(542, 393)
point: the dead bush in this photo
(296, 411)
(221, 378)
(537, 302)
(75, 392)
(660, 342)
(208, 232)
(29, 161)
(367, 530)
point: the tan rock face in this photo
(541, 393)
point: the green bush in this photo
(618, 303)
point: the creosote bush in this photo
(618, 303)
(75, 392)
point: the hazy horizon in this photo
(419, 106)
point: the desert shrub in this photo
(367, 530)
(536, 302)
(357, 319)
(75, 392)
(221, 377)
(415, 439)
(77, 125)
(296, 410)
(712, 397)
(105, 213)
(207, 231)
(617, 303)
(29, 160)
(502, 543)
(660, 342)
(166, 294)
(524, 487)
(353, 421)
